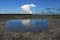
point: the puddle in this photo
(27, 25)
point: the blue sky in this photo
(14, 5)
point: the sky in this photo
(13, 6)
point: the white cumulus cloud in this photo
(26, 8)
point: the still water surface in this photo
(26, 25)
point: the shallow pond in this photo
(26, 25)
